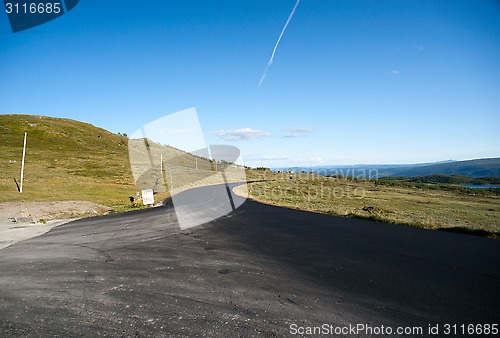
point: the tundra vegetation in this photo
(406, 201)
(73, 161)
(70, 160)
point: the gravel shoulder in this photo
(24, 220)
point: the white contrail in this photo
(278, 42)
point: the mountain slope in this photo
(71, 160)
(359, 170)
(487, 167)
(65, 159)
(473, 168)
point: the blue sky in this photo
(351, 81)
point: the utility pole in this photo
(161, 165)
(22, 164)
(196, 158)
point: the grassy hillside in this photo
(180, 170)
(486, 167)
(71, 160)
(444, 179)
(65, 160)
(429, 206)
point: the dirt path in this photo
(23, 220)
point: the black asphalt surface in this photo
(253, 272)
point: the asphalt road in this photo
(253, 272)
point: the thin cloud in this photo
(294, 135)
(316, 159)
(395, 72)
(297, 132)
(266, 157)
(242, 134)
(270, 62)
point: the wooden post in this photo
(161, 165)
(196, 158)
(22, 164)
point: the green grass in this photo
(65, 160)
(428, 207)
(70, 160)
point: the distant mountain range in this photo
(486, 167)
